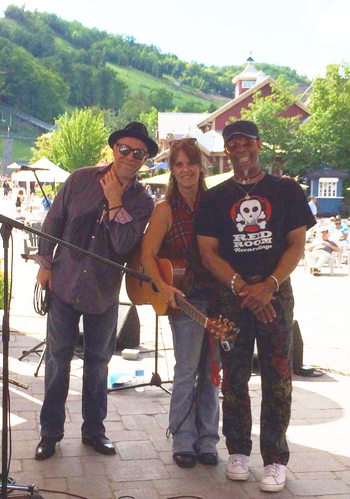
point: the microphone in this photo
(30, 169)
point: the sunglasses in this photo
(234, 143)
(125, 150)
(189, 140)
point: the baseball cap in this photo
(246, 128)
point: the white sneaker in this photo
(237, 467)
(274, 478)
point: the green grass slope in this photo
(138, 80)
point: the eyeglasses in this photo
(189, 140)
(125, 150)
(234, 143)
(337, 223)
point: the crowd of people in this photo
(238, 243)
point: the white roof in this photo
(249, 73)
(211, 141)
(179, 124)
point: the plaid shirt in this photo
(178, 240)
(181, 242)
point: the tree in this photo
(28, 85)
(151, 121)
(77, 142)
(278, 134)
(162, 99)
(326, 133)
(42, 148)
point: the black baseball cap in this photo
(246, 128)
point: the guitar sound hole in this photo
(154, 288)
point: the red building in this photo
(247, 84)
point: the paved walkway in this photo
(319, 433)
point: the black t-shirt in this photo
(252, 232)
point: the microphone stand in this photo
(28, 168)
(6, 228)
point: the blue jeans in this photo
(99, 346)
(194, 406)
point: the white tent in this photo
(210, 181)
(50, 173)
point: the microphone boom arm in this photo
(56, 240)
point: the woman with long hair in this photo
(194, 407)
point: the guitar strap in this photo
(215, 371)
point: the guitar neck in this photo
(190, 310)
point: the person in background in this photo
(251, 234)
(194, 406)
(340, 235)
(47, 202)
(318, 254)
(313, 205)
(19, 201)
(105, 211)
(6, 188)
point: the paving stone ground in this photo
(143, 468)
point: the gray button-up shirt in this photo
(76, 217)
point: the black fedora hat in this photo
(138, 131)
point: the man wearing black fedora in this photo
(105, 211)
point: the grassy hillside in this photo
(138, 80)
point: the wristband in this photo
(234, 277)
(276, 282)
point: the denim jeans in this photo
(99, 346)
(194, 406)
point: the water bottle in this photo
(139, 377)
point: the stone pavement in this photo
(319, 434)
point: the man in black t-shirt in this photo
(251, 234)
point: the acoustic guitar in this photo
(172, 271)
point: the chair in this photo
(31, 244)
(330, 263)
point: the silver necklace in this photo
(244, 192)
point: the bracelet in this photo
(276, 282)
(115, 207)
(234, 277)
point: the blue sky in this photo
(305, 35)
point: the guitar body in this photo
(141, 293)
(173, 272)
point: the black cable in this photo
(168, 432)
(185, 497)
(40, 299)
(63, 493)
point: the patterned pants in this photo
(274, 345)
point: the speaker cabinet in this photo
(128, 328)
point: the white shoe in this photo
(237, 467)
(274, 478)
